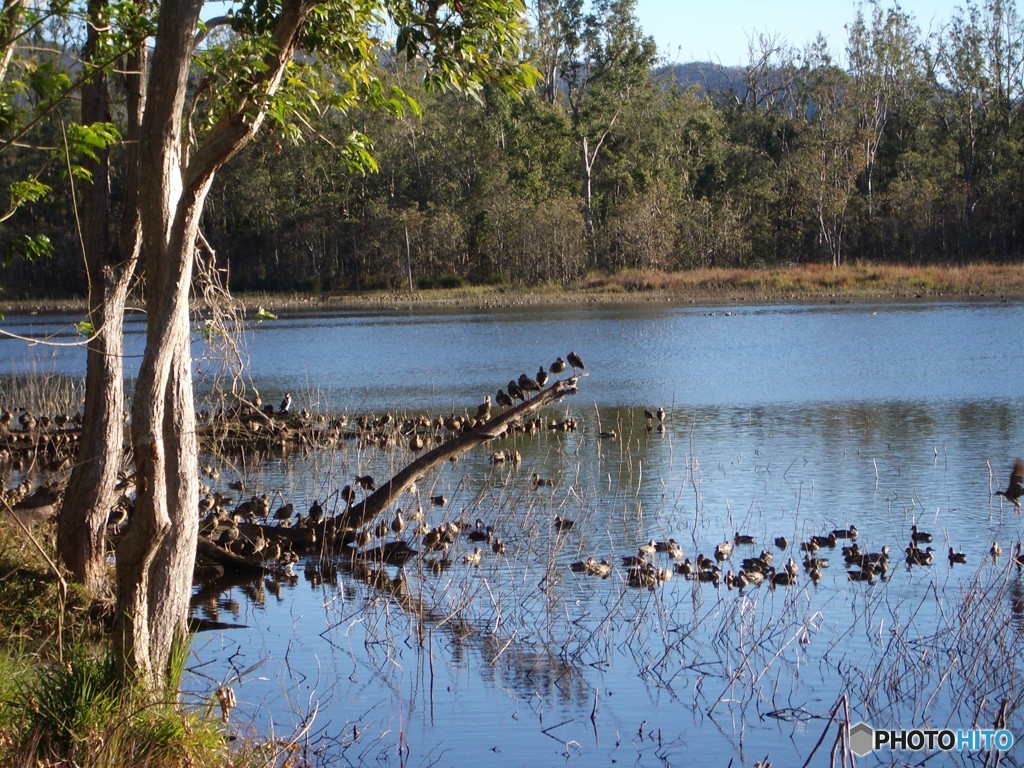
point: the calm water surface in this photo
(782, 420)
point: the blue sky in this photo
(719, 30)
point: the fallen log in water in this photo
(228, 559)
(335, 535)
(378, 501)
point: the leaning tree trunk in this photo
(373, 505)
(91, 493)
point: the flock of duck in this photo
(274, 539)
(38, 442)
(284, 535)
(252, 424)
(643, 570)
(861, 566)
(277, 537)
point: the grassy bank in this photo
(60, 703)
(813, 283)
(805, 283)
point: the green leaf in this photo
(47, 81)
(358, 154)
(28, 191)
(27, 247)
(85, 141)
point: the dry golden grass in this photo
(806, 282)
(817, 281)
(813, 282)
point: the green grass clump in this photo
(61, 701)
(69, 704)
(75, 712)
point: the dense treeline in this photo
(900, 148)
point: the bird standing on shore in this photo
(1015, 488)
(286, 404)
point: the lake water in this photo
(781, 420)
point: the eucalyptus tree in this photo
(110, 254)
(547, 42)
(606, 61)
(885, 58)
(280, 62)
(754, 194)
(832, 155)
(980, 73)
(40, 74)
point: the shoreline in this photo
(815, 284)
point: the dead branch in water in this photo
(228, 559)
(378, 501)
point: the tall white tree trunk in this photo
(156, 556)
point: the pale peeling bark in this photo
(156, 556)
(153, 576)
(10, 15)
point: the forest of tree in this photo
(899, 148)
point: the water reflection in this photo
(556, 642)
(659, 353)
(785, 421)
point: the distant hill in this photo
(704, 74)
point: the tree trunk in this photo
(81, 534)
(10, 15)
(587, 193)
(156, 555)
